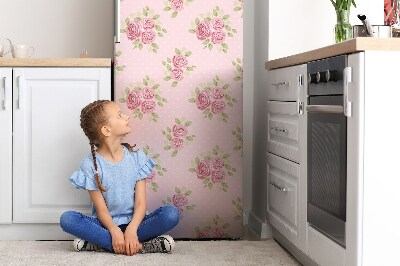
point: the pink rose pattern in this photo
(238, 140)
(215, 229)
(238, 6)
(213, 99)
(176, 6)
(143, 29)
(143, 99)
(117, 67)
(212, 29)
(177, 67)
(158, 170)
(211, 168)
(238, 69)
(180, 200)
(177, 136)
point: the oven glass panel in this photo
(327, 163)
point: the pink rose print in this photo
(180, 210)
(177, 4)
(133, 100)
(147, 93)
(218, 176)
(203, 234)
(177, 74)
(177, 143)
(148, 36)
(133, 30)
(203, 30)
(218, 231)
(179, 131)
(217, 93)
(203, 100)
(218, 107)
(179, 200)
(151, 177)
(203, 170)
(218, 37)
(148, 23)
(148, 107)
(217, 23)
(218, 163)
(179, 61)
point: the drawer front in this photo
(283, 196)
(283, 130)
(283, 83)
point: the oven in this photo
(327, 148)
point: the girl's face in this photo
(117, 122)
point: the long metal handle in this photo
(286, 83)
(279, 187)
(5, 93)
(117, 19)
(335, 109)
(20, 88)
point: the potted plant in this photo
(343, 29)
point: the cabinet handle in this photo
(286, 83)
(284, 189)
(280, 129)
(5, 93)
(20, 88)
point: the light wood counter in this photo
(348, 47)
(55, 62)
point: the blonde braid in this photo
(96, 173)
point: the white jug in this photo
(2, 47)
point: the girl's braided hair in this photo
(93, 117)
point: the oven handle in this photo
(335, 109)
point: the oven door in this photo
(326, 166)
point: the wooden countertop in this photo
(55, 62)
(348, 47)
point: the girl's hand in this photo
(132, 244)
(118, 241)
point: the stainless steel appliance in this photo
(327, 147)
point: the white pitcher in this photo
(2, 47)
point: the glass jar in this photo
(343, 30)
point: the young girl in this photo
(114, 176)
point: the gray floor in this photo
(222, 252)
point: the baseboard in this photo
(33, 232)
(262, 229)
(292, 249)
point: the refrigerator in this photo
(178, 75)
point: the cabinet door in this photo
(284, 83)
(283, 130)
(5, 146)
(48, 141)
(283, 196)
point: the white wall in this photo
(60, 28)
(301, 25)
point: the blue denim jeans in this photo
(88, 228)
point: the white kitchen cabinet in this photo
(47, 143)
(5, 146)
(285, 124)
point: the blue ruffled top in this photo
(118, 178)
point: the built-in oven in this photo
(327, 148)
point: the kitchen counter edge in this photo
(348, 47)
(55, 62)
